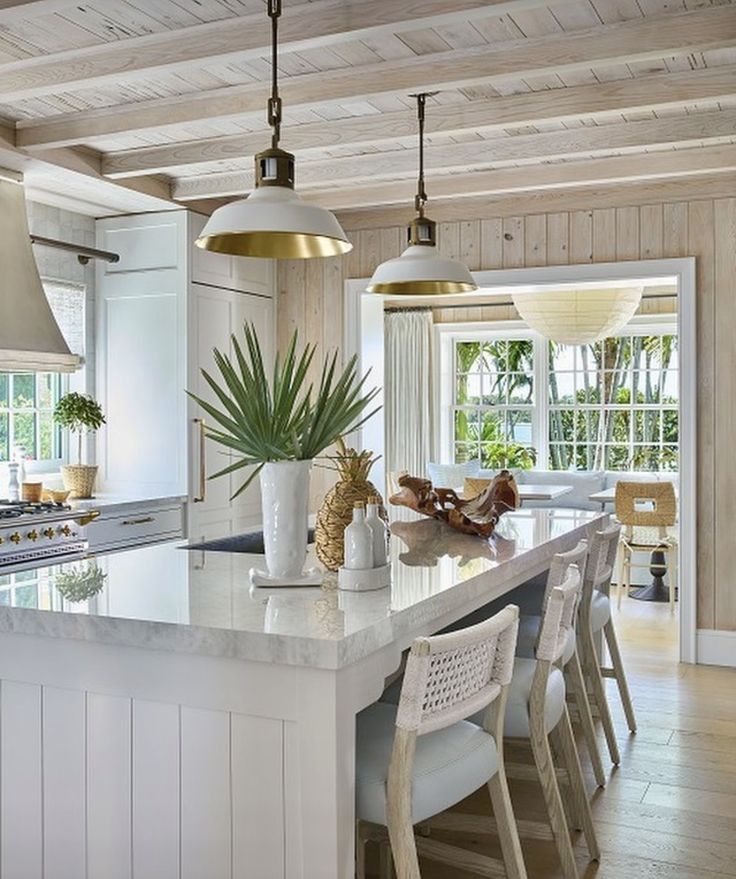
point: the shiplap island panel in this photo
(209, 728)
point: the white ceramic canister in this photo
(380, 532)
(358, 541)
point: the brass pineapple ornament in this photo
(336, 511)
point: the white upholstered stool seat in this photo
(528, 633)
(449, 764)
(600, 610)
(516, 725)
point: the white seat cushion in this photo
(449, 765)
(527, 641)
(600, 610)
(517, 706)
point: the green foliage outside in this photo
(285, 418)
(79, 413)
(616, 409)
(26, 415)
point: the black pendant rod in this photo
(274, 102)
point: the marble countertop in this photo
(165, 597)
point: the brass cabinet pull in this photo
(202, 478)
(88, 516)
(138, 521)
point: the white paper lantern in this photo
(577, 317)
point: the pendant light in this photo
(420, 269)
(273, 222)
(578, 317)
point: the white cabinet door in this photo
(216, 314)
(141, 342)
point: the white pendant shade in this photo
(420, 270)
(273, 222)
(577, 317)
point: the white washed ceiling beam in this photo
(649, 92)
(669, 132)
(641, 40)
(314, 25)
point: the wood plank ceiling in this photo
(133, 104)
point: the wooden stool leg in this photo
(555, 809)
(618, 670)
(574, 675)
(581, 804)
(508, 833)
(593, 672)
(621, 574)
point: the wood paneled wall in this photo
(310, 298)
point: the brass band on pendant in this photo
(421, 288)
(274, 245)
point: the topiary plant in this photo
(79, 413)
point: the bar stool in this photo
(536, 710)
(646, 510)
(595, 617)
(422, 756)
(529, 631)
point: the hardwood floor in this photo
(669, 810)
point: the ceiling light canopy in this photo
(273, 222)
(578, 317)
(421, 270)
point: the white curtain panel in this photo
(408, 391)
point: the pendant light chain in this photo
(421, 197)
(274, 102)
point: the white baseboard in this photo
(716, 647)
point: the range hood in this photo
(30, 339)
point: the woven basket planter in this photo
(79, 479)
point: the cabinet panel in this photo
(142, 393)
(230, 272)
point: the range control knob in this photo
(49, 532)
(16, 538)
(33, 535)
(65, 530)
(2, 540)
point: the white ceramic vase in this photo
(285, 505)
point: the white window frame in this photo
(446, 335)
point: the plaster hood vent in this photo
(30, 339)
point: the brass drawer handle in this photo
(138, 521)
(198, 499)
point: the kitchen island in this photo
(160, 718)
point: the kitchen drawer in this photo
(134, 527)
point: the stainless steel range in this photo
(33, 534)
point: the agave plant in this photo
(283, 419)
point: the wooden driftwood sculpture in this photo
(476, 516)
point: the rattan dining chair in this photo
(646, 510)
(418, 758)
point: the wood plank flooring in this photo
(669, 810)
